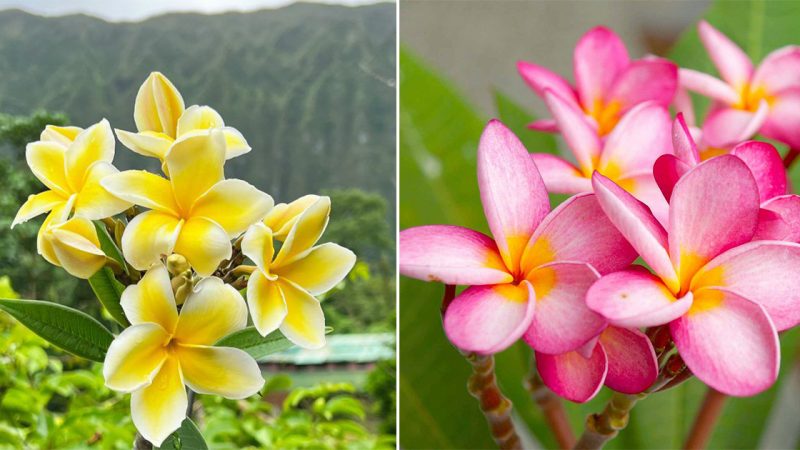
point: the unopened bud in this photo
(177, 264)
(182, 292)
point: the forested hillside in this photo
(311, 86)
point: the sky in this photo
(135, 10)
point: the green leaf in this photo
(109, 291)
(256, 345)
(67, 328)
(188, 437)
(107, 243)
(517, 118)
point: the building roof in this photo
(341, 349)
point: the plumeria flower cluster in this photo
(708, 212)
(184, 236)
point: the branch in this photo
(482, 385)
(553, 409)
(706, 420)
(603, 427)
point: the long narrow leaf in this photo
(109, 291)
(64, 327)
(256, 345)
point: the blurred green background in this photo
(457, 70)
(312, 87)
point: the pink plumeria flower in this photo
(626, 155)
(530, 281)
(765, 99)
(608, 83)
(622, 359)
(723, 296)
(779, 218)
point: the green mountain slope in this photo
(311, 86)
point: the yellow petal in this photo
(149, 236)
(159, 408)
(146, 143)
(94, 202)
(93, 144)
(197, 118)
(195, 164)
(234, 205)
(235, 143)
(151, 300)
(321, 269)
(37, 204)
(77, 247)
(143, 188)
(46, 160)
(282, 217)
(158, 105)
(225, 371)
(212, 311)
(265, 300)
(61, 135)
(257, 245)
(59, 214)
(204, 244)
(135, 356)
(305, 232)
(304, 324)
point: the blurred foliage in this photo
(439, 131)
(380, 386)
(52, 400)
(311, 86)
(34, 277)
(365, 301)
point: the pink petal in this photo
(765, 272)
(635, 221)
(729, 343)
(708, 86)
(512, 192)
(779, 71)
(544, 125)
(683, 105)
(766, 165)
(487, 319)
(771, 227)
(572, 376)
(646, 190)
(640, 137)
(599, 57)
(578, 230)
(562, 322)
(783, 121)
(788, 208)
(541, 79)
(713, 207)
(632, 363)
(580, 135)
(451, 255)
(683, 143)
(560, 176)
(732, 63)
(635, 298)
(652, 79)
(667, 170)
(726, 127)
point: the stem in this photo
(482, 385)
(140, 443)
(791, 155)
(706, 420)
(495, 406)
(601, 428)
(553, 409)
(190, 403)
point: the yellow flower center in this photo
(605, 114)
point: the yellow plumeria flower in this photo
(195, 213)
(161, 118)
(71, 162)
(280, 293)
(73, 244)
(163, 351)
(283, 216)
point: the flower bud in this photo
(75, 246)
(177, 264)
